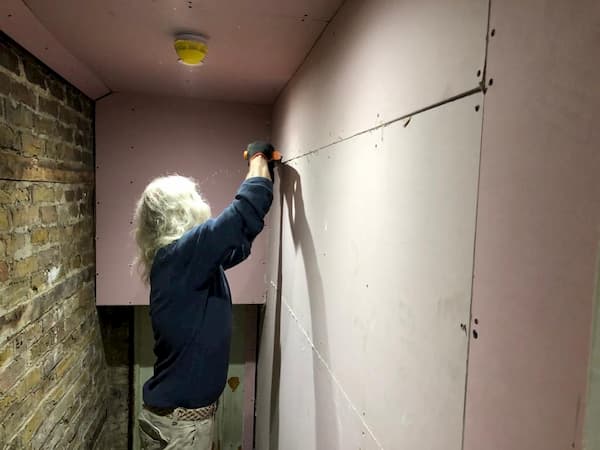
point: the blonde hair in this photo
(168, 207)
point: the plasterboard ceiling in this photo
(254, 48)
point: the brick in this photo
(43, 194)
(26, 215)
(17, 413)
(47, 258)
(42, 346)
(48, 106)
(23, 94)
(65, 133)
(87, 158)
(69, 196)
(21, 195)
(31, 426)
(45, 126)
(5, 82)
(32, 145)
(19, 116)
(56, 88)
(5, 195)
(11, 373)
(29, 382)
(7, 352)
(25, 266)
(8, 137)
(48, 214)
(17, 244)
(84, 124)
(34, 73)
(68, 116)
(39, 236)
(80, 139)
(28, 336)
(52, 150)
(4, 220)
(2, 248)
(74, 100)
(68, 152)
(73, 211)
(53, 234)
(4, 271)
(9, 59)
(38, 281)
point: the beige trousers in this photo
(169, 433)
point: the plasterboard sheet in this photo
(377, 61)
(376, 263)
(141, 137)
(269, 345)
(254, 46)
(315, 412)
(538, 228)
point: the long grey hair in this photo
(168, 207)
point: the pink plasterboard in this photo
(380, 60)
(141, 137)
(538, 228)
(254, 46)
(376, 269)
(22, 25)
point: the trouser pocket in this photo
(151, 437)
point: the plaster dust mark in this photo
(233, 383)
(359, 414)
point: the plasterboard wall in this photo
(140, 137)
(363, 341)
(538, 228)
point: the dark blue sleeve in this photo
(227, 239)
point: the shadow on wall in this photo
(326, 423)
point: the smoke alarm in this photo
(191, 49)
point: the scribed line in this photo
(392, 121)
(331, 374)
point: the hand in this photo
(262, 147)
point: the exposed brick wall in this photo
(53, 377)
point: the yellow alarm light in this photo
(191, 49)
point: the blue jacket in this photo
(190, 301)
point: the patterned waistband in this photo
(197, 414)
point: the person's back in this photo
(183, 255)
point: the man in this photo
(183, 254)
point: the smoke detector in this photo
(191, 49)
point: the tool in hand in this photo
(262, 147)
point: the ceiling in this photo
(254, 46)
